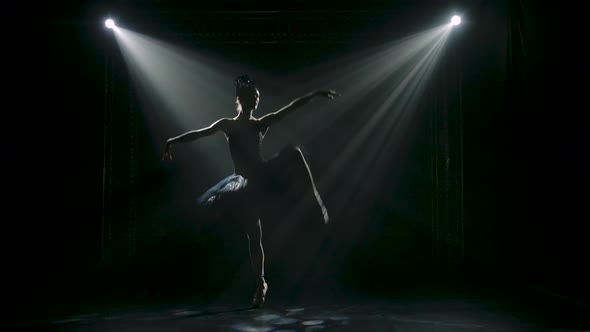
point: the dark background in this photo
(525, 179)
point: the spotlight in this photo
(109, 23)
(455, 20)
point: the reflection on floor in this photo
(415, 314)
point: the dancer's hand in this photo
(167, 152)
(328, 94)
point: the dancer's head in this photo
(247, 95)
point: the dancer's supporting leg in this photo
(254, 234)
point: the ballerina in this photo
(254, 177)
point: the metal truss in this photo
(268, 26)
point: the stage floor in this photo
(421, 313)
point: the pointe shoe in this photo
(322, 207)
(325, 215)
(260, 295)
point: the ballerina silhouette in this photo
(254, 178)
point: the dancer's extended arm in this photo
(193, 135)
(273, 117)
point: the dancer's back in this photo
(245, 143)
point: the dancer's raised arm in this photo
(273, 117)
(193, 135)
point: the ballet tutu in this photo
(224, 192)
(275, 189)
